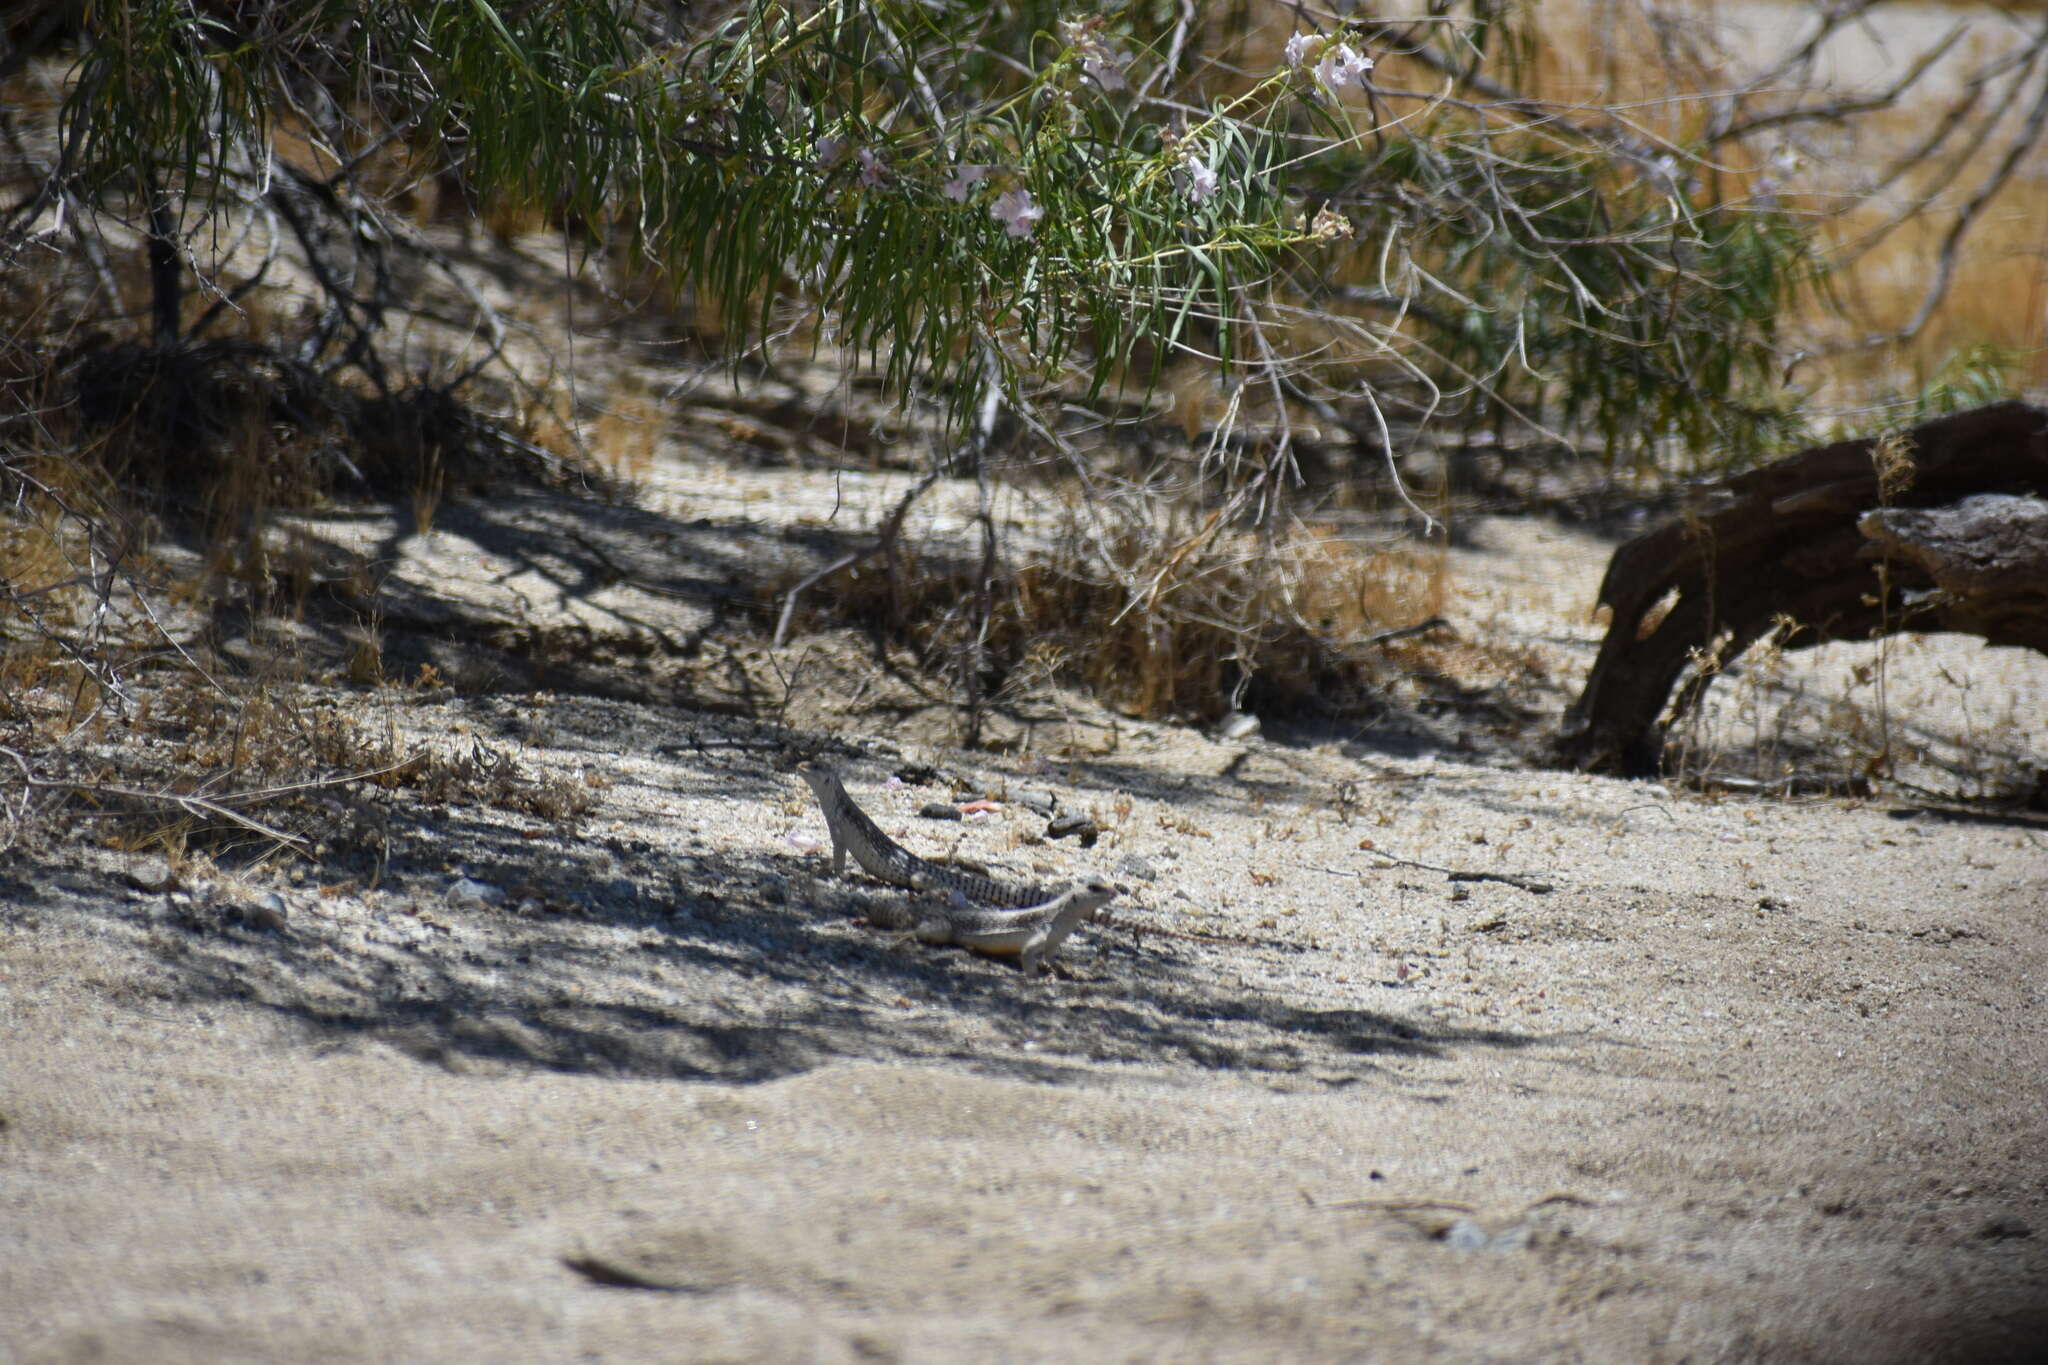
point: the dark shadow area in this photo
(611, 957)
(2034, 817)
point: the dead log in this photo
(1943, 527)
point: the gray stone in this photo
(153, 874)
(470, 894)
(1131, 865)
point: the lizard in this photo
(889, 861)
(1033, 934)
(1031, 923)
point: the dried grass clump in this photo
(1192, 627)
(113, 705)
(1182, 622)
(193, 431)
(1891, 454)
(1856, 717)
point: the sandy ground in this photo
(1711, 1079)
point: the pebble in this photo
(1465, 1235)
(468, 893)
(1074, 824)
(153, 874)
(1131, 865)
(266, 912)
(938, 810)
(1237, 725)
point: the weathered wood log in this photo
(1824, 545)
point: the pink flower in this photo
(1197, 181)
(1341, 66)
(963, 182)
(873, 173)
(1015, 211)
(1106, 65)
(1297, 50)
(1100, 60)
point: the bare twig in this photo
(1534, 885)
(219, 805)
(1987, 189)
(885, 543)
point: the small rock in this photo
(1131, 865)
(1237, 725)
(938, 810)
(470, 894)
(267, 912)
(2004, 1229)
(152, 874)
(1039, 802)
(1075, 824)
(1465, 1235)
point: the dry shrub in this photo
(1900, 713)
(1666, 70)
(1191, 627)
(1179, 618)
(191, 429)
(310, 753)
(103, 676)
(628, 433)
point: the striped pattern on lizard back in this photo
(889, 861)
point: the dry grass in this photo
(138, 502)
(275, 746)
(1169, 615)
(1892, 456)
(1934, 716)
(628, 432)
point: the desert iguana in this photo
(1033, 924)
(1031, 935)
(887, 860)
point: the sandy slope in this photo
(1751, 1081)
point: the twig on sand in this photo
(1535, 886)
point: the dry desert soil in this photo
(620, 1072)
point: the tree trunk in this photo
(1841, 542)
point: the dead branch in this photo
(1818, 547)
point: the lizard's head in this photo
(1100, 889)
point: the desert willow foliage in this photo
(1020, 200)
